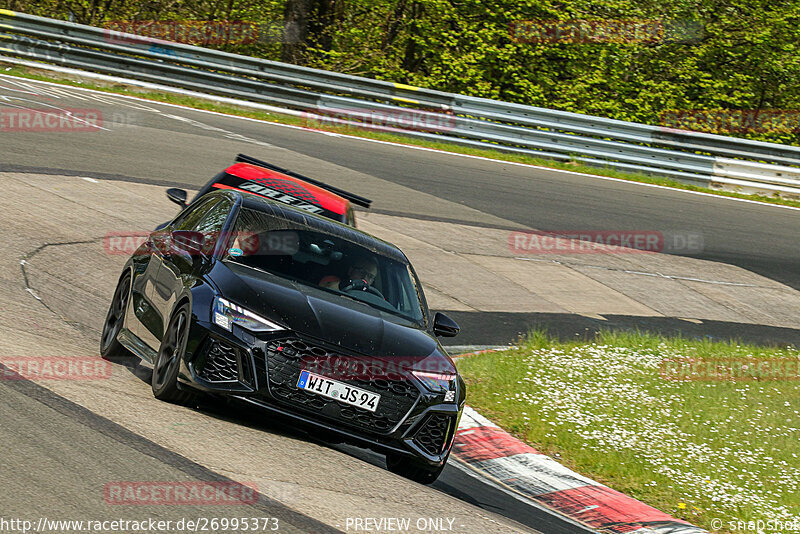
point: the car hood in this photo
(334, 319)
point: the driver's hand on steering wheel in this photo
(360, 285)
(356, 284)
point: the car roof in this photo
(320, 224)
(309, 192)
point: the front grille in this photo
(432, 435)
(285, 360)
(220, 364)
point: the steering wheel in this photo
(361, 285)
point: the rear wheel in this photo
(413, 469)
(109, 344)
(168, 361)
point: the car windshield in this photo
(324, 261)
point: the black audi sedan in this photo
(297, 314)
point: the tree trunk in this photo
(295, 30)
(413, 56)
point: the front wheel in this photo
(168, 361)
(413, 469)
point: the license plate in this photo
(333, 389)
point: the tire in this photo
(109, 344)
(168, 360)
(413, 469)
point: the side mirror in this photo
(444, 326)
(178, 196)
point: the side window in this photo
(211, 223)
(214, 219)
(201, 227)
(189, 218)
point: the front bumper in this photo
(263, 371)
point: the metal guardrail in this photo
(693, 157)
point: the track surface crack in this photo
(32, 291)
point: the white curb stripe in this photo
(534, 474)
(544, 480)
(472, 419)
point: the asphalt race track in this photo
(66, 440)
(159, 144)
(150, 143)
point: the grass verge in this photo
(211, 105)
(717, 441)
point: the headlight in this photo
(226, 314)
(436, 382)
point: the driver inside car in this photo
(362, 272)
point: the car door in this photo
(192, 243)
(146, 317)
(150, 309)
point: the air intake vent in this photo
(434, 433)
(221, 364)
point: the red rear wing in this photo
(264, 179)
(281, 188)
(352, 197)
